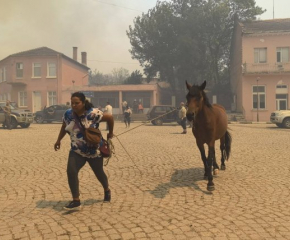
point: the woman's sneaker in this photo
(73, 205)
(107, 197)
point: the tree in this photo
(135, 78)
(188, 39)
(120, 75)
(98, 78)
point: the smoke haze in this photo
(96, 27)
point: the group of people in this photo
(137, 107)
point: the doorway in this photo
(36, 100)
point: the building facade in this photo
(36, 78)
(260, 68)
(44, 77)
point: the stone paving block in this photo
(158, 193)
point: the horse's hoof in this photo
(215, 171)
(210, 188)
(223, 167)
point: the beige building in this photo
(44, 77)
(260, 68)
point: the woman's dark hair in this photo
(83, 99)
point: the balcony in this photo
(17, 81)
(265, 68)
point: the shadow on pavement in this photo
(58, 205)
(181, 178)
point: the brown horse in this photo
(210, 123)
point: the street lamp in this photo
(257, 98)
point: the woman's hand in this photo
(57, 145)
(110, 136)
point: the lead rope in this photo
(112, 147)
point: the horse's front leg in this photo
(203, 157)
(210, 160)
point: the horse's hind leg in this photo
(215, 165)
(222, 148)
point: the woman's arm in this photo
(61, 134)
(110, 120)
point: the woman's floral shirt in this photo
(91, 118)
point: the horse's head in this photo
(196, 98)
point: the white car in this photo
(281, 118)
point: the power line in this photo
(115, 5)
(111, 62)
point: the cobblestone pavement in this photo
(158, 194)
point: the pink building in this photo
(36, 78)
(260, 68)
(44, 77)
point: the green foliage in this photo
(135, 78)
(188, 39)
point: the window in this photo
(19, 70)
(3, 74)
(259, 97)
(22, 96)
(281, 101)
(281, 86)
(51, 69)
(52, 99)
(260, 55)
(36, 70)
(283, 54)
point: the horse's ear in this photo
(202, 86)
(188, 85)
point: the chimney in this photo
(75, 53)
(84, 58)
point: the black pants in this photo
(75, 163)
(183, 123)
(127, 121)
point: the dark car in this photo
(53, 113)
(159, 110)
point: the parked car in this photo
(53, 113)
(281, 118)
(159, 110)
(22, 117)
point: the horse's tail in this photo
(228, 143)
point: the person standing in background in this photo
(7, 115)
(127, 116)
(109, 110)
(124, 105)
(182, 117)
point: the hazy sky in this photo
(97, 27)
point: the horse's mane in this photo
(195, 90)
